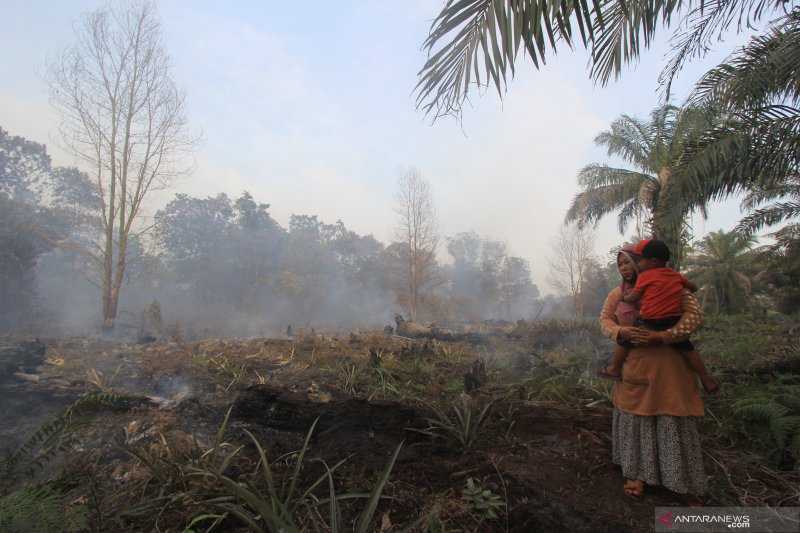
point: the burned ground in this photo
(145, 451)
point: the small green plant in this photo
(773, 415)
(599, 389)
(483, 503)
(232, 372)
(271, 506)
(39, 510)
(509, 418)
(463, 426)
(385, 385)
(557, 387)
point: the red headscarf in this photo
(638, 249)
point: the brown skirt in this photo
(659, 450)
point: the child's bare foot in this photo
(633, 488)
(609, 372)
(710, 384)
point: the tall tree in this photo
(36, 200)
(572, 252)
(719, 267)
(486, 282)
(417, 230)
(517, 291)
(24, 165)
(655, 190)
(124, 117)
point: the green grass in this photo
(737, 341)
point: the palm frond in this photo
(787, 237)
(478, 41)
(597, 175)
(768, 216)
(762, 72)
(628, 213)
(705, 25)
(765, 192)
(606, 190)
(757, 91)
(630, 139)
(623, 30)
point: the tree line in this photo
(226, 264)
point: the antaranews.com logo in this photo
(731, 521)
(711, 519)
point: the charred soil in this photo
(527, 450)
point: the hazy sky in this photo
(309, 106)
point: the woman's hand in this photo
(644, 337)
(625, 333)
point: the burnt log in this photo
(411, 330)
(476, 377)
(279, 409)
(21, 356)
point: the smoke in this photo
(222, 267)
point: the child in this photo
(659, 291)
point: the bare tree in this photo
(572, 252)
(417, 230)
(124, 117)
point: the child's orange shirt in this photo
(661, 289)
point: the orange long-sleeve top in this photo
(656, 380)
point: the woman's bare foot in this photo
(610, 372)
(633, 488)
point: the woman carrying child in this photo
(657, 293)
(657, 401)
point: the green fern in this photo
(39, 509)
(49, 439)
(777, 410)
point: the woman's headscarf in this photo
(629, 251)
(626, 313)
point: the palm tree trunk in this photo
(667, 222)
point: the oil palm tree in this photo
(757, 146)
(478, 42)
(781, 258)
(718, 265)
(654, 188)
